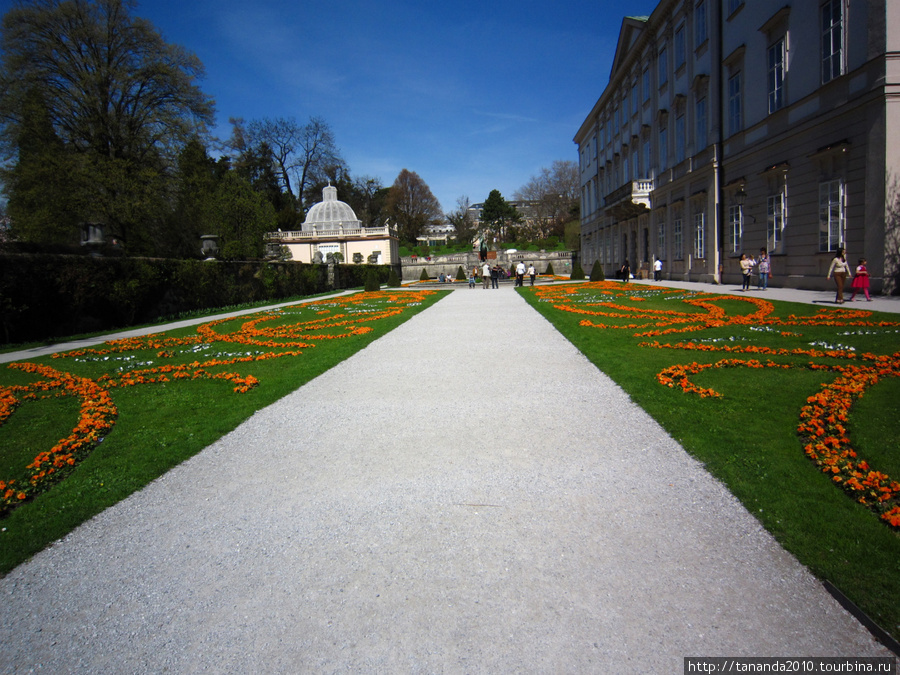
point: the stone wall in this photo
(449, 264)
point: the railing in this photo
(473, 257)
(362, 232)
(637, 191)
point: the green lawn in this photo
(160, 420)
(747, 436)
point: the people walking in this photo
(532, 273)
(520, 274)
(495, 276)
(860, 280)
(625, 272)
(763, 267)
(486, 276)
(746, 264)
(657, 270)
(839, 270)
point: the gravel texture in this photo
(467, 494)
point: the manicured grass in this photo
(161, 420)
(748, 436)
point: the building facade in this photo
(331, 227)
(729, 126)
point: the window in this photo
(679, 47)
(635, 164)
(677, 238)
(734, 5)
(700, 234)
(634, 98)
(615, 122)
(735, 228)
(701, 34)
(646, 84)
(831, 215)
(734, 103)
(775, 79)
(663, 67)
(679, 138)
(663, 149)
(625, 175)
(647, 158)
(700, 119)
(775, 227)
(624, 111)
(832, 39)
(661, 240)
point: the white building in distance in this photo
(332, 227)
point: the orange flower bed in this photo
(822, 427)
(338, 318)
(97, 417)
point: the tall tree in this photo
(498, 218)
(303, 157)
(318, 155)
(116, 95)
(242, 217)
(44, 207)
(371, 195)
(552, 197)
(412, 206)
(196, 183)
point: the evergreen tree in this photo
(498, 218)
(42, 185)
(577, 272)
(597, 272)
(243, 216)
(196, 180)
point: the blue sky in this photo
(472, 96)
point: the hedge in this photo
(49, 296)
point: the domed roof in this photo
(330, 214)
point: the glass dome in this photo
(330, 214)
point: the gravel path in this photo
(468, 494)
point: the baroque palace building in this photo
(729, 126)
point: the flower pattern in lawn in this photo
(335, 319)
(823, 421)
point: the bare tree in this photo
(462, 220)
(891, 273)
(316, 153)
(553, 198)
(302, 155)
(283, 136)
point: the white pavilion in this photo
(332, 227)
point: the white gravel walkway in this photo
(466, 495)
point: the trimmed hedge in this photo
(49, 296)
(577, 273)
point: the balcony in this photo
(630, 200)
